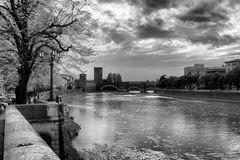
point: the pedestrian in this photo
(29, 99)
(57, 99)
(34, 99)
(13, 100)
(60, 99)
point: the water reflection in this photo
(207, 130)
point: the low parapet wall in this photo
(224, 96)
(21, 142)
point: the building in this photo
(83, 79)
(98, 77)
(201, 70)
(230, 65)
(216, 69)
(196, 70)
(81, 82)
(90, 85)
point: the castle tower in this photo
(98, 77)
(83, 79)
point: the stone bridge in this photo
(33, 132)
(130, 86)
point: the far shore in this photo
(207, 95)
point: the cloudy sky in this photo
(144, 39)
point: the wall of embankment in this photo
(21, 141)
(221, 96)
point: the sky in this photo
(144, 39)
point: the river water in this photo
(188, 129)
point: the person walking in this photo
(57, 99)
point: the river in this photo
(188, 129)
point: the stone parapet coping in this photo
(21, 141)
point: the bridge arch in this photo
(135, 87)
(151, 88)
(112, 86)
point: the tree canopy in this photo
(209, 81)
(114, 78)
(31, 29)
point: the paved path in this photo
(2, 119)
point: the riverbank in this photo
(70, 131)
(120, 152)
(220, 96)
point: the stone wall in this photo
(51, 129)
(57, 129)
(21, 142)
(70, 131)
(45, 119)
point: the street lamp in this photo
(52, 59)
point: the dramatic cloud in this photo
(165, 34)
(207, 11)
(149, 6)
(110, 1)
(148, 31)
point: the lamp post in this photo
(51, 61)
(51, 98)
(38, 87)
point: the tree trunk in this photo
(21, 89)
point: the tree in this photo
(119, 78)
(229, 79)
(40, 79)
(204, 81)
(110, 78)
(216, 81)
(29, 28)
(189, 81)
(162, 77)
(236, 77)
(8, 72)
(160, 81)
(114, 78)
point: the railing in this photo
(21, 142)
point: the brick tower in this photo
(98, 77)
